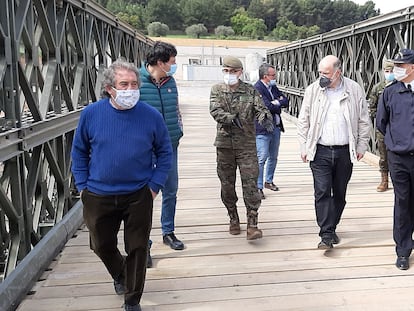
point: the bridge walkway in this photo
(217, 271)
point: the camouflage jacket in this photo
(244, 102)
(374, 97)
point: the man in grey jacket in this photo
(333, 130)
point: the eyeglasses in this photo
(271, 75)
(232, 71)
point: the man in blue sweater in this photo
(112, 163)
(158, 88)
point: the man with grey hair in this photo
(267, 143)
(112, 163)
(334, 130)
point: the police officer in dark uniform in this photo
(395, 120)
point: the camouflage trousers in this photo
(383, 161)
(227, 162)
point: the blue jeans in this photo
(267, 152)
(332, 170)
(169, 196)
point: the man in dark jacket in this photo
(267, 144)
(158, 88)
(395, 120)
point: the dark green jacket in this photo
(164, 98)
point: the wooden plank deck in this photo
(217, 271)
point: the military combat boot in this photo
(253, 232)
(383, 186)
(234, 227)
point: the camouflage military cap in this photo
(232, 62)
(387, 65)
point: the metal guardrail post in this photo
(27, 272)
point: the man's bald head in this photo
(330, 62)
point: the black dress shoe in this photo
(128, 307)
(171, 240)
(402, 263)
(149, 260)
(325, 243)
(262, 196)
(335, 239)
(119, 286)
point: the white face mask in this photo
(400, 73)
(389, 76)
(126, 99)
(230, 79)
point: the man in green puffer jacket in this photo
(158, 89)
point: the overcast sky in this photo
(387, 6)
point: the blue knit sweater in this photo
(113, 150)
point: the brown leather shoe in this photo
(254, 233)
(271, 186)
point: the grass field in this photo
(228, 43)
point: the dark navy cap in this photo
(404, 56)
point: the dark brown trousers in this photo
(103, 215)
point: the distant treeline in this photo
(274, 19)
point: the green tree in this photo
(116, 6)
(208, 12)
(133, 15)
(196, 31)
(157, 29)
(266, 10)
(291, 10)
(287, 30)
(239, 20)
(164, 11)
(255, 29)
(224, 31)
(367, 10)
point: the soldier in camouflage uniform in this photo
(374, 98)
(235, 105)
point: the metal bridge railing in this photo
(362, 47)
(52, 55)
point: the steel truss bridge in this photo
(52, 55)
(361, 47)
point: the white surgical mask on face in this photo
(230, 79)
(172, 70)
(389, 76)
(400, 73)
(126, 99)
